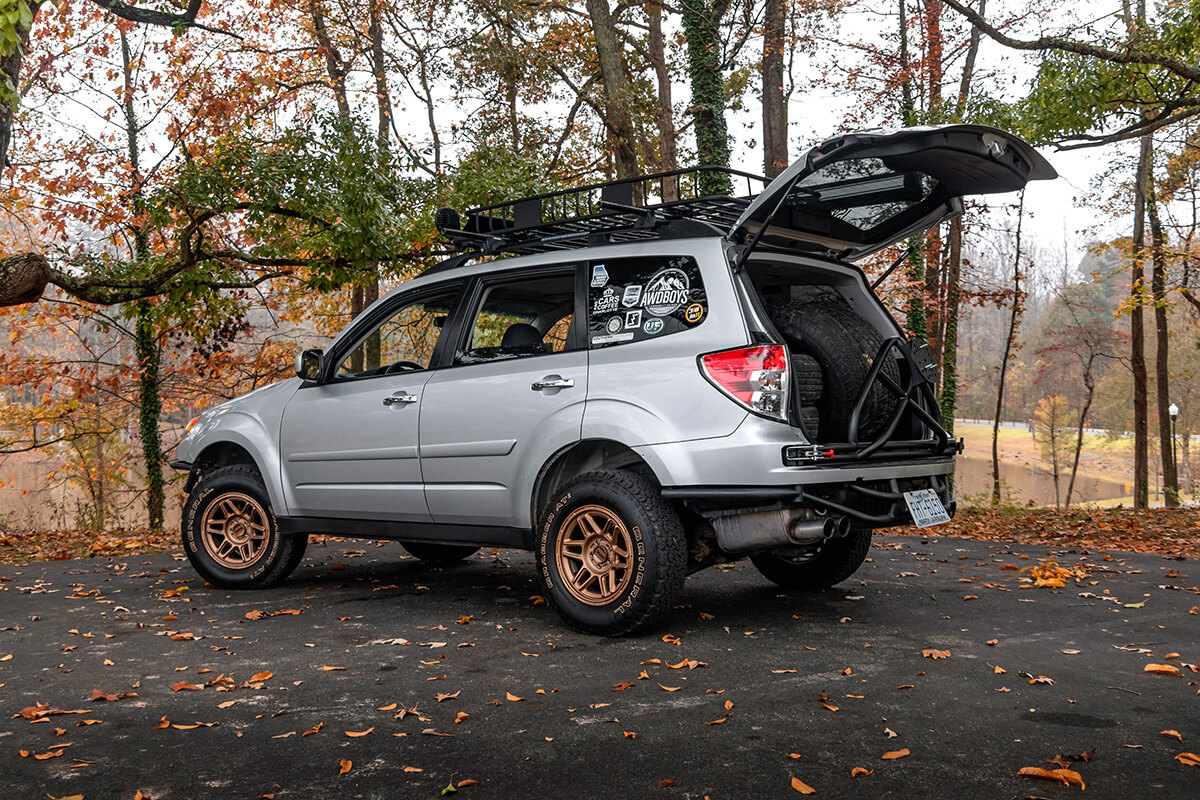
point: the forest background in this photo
(194, 190)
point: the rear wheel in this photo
(230, 535)
(611, 552)
(439, 553)
(816, 566)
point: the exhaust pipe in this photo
(811, 531)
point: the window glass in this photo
(632, 299)
(521, 318)
(404, 342)
(861, 192)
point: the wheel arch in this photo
(578, 458)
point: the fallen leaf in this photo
(467, 782)
(669, 688)
(720, 721)
(185, 686)
(728, 705)
(450, 789)
(998, 670)
(1176, 734)
(629, 734)
(345, 765)
(992, 642)
(794, 755)
(854, 773)
(935, 654)
(440, 697)
(1064, 776)
(332, 669)
(654, 662)
(1188, 759)
(226, 704)
(432, 732)
(892, 755)
(1163, 669)
(669, 639)
(512, 698)
(782, 671)
(262, 676)
(388, 707)
(620, 687)
(891, 734)
(314, 729)
(413, 769)
(356, 734)
(460, 716)
(663, 784)
(802, 787)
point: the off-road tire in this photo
(635, 518)
(272, 556)
(838, 560)
(842, 344)
(432, 553)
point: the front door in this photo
(514, 394)
(349, 443)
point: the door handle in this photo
(553, 382)
(400, 399)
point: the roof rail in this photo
(662, 205)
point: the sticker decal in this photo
(607, 302)
(614, 324)
(633, 319)
(666, 292)
(694, 313)
(632, 296)
(612, 338)
(652, 326)
(599, 276)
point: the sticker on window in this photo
(642, 298)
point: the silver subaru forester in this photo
(634, 380)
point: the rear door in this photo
(513, 395)
(858, 193)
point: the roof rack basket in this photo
(663, 205)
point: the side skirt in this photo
(433, 533)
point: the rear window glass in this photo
(861, 192)
(632, 299)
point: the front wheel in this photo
(611, 552)
(230, 535)
(817, 566)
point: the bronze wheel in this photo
(594, 554)
(234, 530)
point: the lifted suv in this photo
(657, 382)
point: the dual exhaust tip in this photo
(815, 530)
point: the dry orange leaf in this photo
(854, 773)
(892, 755)
(830, 707)
(720, 721)
(467, 782)
(440, 697)
(460, 716)
(185, 686)
(728, 705)
(669, 639)
(413, 769)
(1064, 776)
(629, 734)
(802, 787)
(332, 669)
(1188, 759)
(653, 661)
(663, 784)
(226, 704)
(931, 653)
(314, 729)
(1163, 669)
(794, 755)
(512, 698)
(992, 642)
(998, 670)
(356, 734)
(669, 688)
(620, 687)
(344, 766)
(782, 671)
(1176, 734)
(262, 676)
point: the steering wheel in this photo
(397, 366)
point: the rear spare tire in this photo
(816, 567)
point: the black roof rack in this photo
(662, 205)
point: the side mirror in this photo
(308, 364)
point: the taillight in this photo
(756, 377)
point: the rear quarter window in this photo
(633, 299)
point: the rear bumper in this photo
(871, 503)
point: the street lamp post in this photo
(1173, 411)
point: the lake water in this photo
(1022, 483)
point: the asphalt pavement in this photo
(371, 675)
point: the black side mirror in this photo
(308, 364)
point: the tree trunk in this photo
(371, 347)
(335, 66)
(1008, 344)
(701, 27)
(949, 396)
(1162, 373)
(356, 307)
(383, 97)
(10, 66)
(1090, 383)
(618, 118)
(775, 110)
(668, 151)
(149, 409)
(1137, 334)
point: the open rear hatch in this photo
(858, 193)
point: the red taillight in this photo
(756, 377)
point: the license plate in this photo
(926, 508)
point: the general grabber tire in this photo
(439, 553)
(611, 552)
(230, 534)
(802, 570)
(842, 344)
